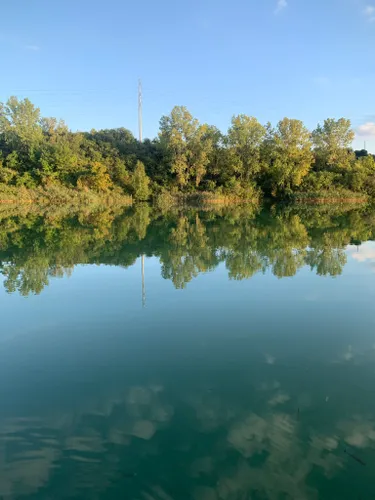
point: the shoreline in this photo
(196, 204)
(329, 201)
(58, 196)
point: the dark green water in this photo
(243, 371)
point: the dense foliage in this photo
(187, 157)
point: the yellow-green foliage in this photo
(187, 159)
(186, 242)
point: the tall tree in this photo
(140, 183)
(199, 153)
(291, 156)
(332, 143)
(176, 134)
(20, 125)
(245, 137)
(186, 144)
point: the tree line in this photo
(187, 157)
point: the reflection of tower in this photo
(140, 140)
(143, 281)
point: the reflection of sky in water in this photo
(218, 391)
(363, 253)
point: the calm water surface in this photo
(243, 370)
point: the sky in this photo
(80, 60)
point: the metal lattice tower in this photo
(140, 125)
(143, 281)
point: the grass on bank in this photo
(338, 196)
(165, 199)
(56, 194)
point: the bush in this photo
(7, 175)
(26, 180)
(164, 201)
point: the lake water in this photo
(242, 365)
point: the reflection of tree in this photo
(30, 278)
(141, 220)
(328, 255)
(242, 265)
(326, 261)
(33, 250)
(188, 253)
(285, 245)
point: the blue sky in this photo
(80, 60)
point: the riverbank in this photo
(58, 195)
(211, 199)
(342, 196)
(166, 200)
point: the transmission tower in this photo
(140, 110)
(143, 282)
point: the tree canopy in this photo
(186, 157)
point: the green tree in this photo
(140, 183)
(120, 139)
(199, 153)
(176, 135)
(245, 137)
(186, 156)
(6, 174)
(96, 178)
(291, 156)
(361, 176)
(332, 143)
(216, 166)
(367, 163)
(12, 161)
(151, 154)
(187, 145)
(53, 129)
(20, 125)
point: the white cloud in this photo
(345, 356)
(358, 432)
(366, 130)
(279, 399)
(369, 12)
(281, 5)
(348, 355)
(270, 360)
(363, 254)
(34, 48)
(270, 386)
